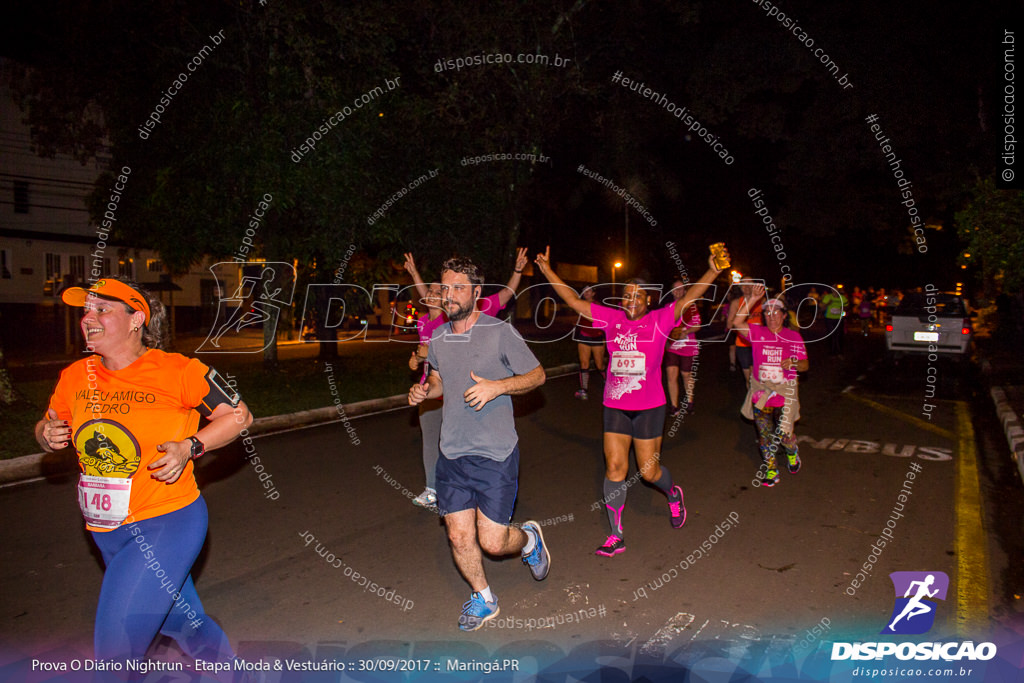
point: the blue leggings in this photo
(147, 588)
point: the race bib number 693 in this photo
(628, 363)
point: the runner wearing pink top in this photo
(589, 344)
(770, 350)
(636, 346)
(778, 355)
(683, 347)
(492, 305)
(634, 401)
(429, 410)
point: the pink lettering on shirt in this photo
(634, 344)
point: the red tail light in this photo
(888, 328)
(966, 329)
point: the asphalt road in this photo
(777, 580)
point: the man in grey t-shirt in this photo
(484, 362)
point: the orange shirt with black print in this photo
(119, 417)
(754, 317)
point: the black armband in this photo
(221, 392)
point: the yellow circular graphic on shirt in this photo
(107, 449)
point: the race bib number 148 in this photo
(104, 500)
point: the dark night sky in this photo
(927, 69)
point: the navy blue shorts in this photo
(473, 481)
(745, 356)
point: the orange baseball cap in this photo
(112, 289)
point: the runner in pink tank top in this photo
(634, 401)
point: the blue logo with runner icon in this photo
(916, 595)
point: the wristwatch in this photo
(197, 447)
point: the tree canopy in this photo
(283, 70)
(992, 229)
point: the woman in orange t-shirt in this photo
(744, 353)
(132, 411)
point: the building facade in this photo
(48, 242)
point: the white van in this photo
(929, 322)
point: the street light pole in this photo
(625, 208)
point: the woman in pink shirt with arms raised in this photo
(634, 401)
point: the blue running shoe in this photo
(539, 559)
(476, 612)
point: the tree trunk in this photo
(270, 345)
(8, 396)
(270, 328)
(327, 336)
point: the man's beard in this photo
(461, 312)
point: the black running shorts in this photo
(639, 424)
(684, 363)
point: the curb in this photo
(63, 462)
(1011, 427)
